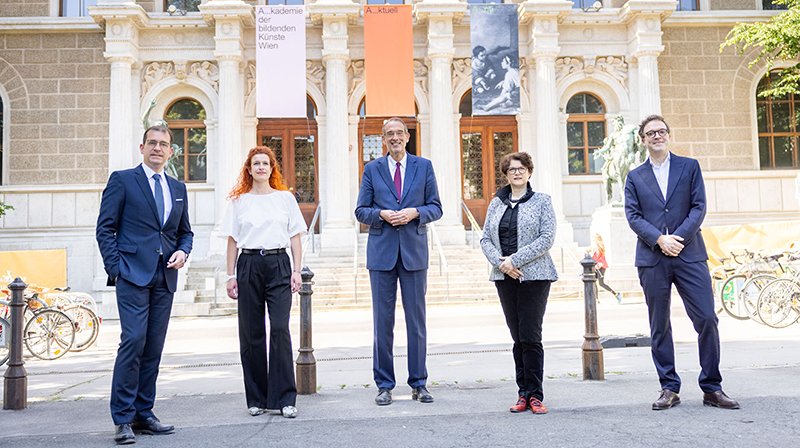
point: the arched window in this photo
(778, 128)
(586, 130)
(186, 118)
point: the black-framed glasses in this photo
(660, 132)
(162, 144)
(517, 170)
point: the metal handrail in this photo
(473, 223)
(310, 235)
(443, 266)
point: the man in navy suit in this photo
(665, 203)
(398, 198)
(144, 237)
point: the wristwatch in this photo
(230, 277)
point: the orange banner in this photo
(42, 268)
(389, 60)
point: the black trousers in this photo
(265, 286)
(601, 277)
(524, 304)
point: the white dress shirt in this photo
(662, 175)
(164, 187)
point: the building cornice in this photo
(332, 9)
(710, 18)
(440, 8)
(10, 25)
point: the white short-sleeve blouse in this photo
(263, 221)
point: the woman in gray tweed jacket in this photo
(518, 233)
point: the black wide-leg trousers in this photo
(265, 286)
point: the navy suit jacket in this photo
(682, 213)
(378, 193)
(129, 233)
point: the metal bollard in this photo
(306, 363)
(15, 386)
(592, 348)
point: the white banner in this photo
(281, 61)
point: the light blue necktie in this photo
(159, 196)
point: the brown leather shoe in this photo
(667, 400)
(719, 399)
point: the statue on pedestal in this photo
(622, 151)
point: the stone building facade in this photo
(74, 91)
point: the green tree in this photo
(777, 40)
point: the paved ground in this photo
(200, 388)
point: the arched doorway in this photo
(370, 133)
(186, 118)
(484, 142)
(294, 141)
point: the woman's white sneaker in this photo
(289, 411)
(254, 411)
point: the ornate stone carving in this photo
(315, 74)
(207, 71)
(462, 68)
(616, 67)
(155, 72)
(250, 78)
(421, 75)
(355, 73)
(566, 66)
(180, 70)
(523, 74)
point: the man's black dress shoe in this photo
(421, 393)
(719, 399)
(124, 435)
(384, 397)
(667, 400)
(153, 426)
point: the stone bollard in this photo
(306, 364)
(592, 348)
(15, 386)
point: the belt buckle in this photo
(262, 252)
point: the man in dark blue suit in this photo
(398, 198)
(665, 203)
(144, 237)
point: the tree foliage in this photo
(774, 41)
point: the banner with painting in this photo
(281, 61)
(494, 34)
(389, 60)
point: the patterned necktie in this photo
(159, 196)
(398, 183)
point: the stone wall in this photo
(705, 95)
(57, 85)
(24, 8)
(733, 4)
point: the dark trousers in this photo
(143, 317)
(265, 287)
(413, 285)
(693, 283)
(601, 276)
(524, 304)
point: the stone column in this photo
(444, 149)
(649, 92)
(120, 117)
(337, 207)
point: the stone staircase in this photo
(342, 280)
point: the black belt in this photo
(263, 252)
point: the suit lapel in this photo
(650, 180)
(144, 184)
(676, 166)
(411, 173)
(383, 171)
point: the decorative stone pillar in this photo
(122, 21)
(229, 17)
(444, 149)
(543, 19)
(337, 208)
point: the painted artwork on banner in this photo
(280, 61)
(494, 34)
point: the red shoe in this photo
(537, 407)
(521, 406)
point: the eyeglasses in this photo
(392, 134)
(517, 170)
(153, 143)
(660, 132)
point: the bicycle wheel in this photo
(729, 297)
(87, 326)
(49, 334)
(779, 303)
(750, 292)
(5, 340)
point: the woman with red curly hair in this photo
(261, 222)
